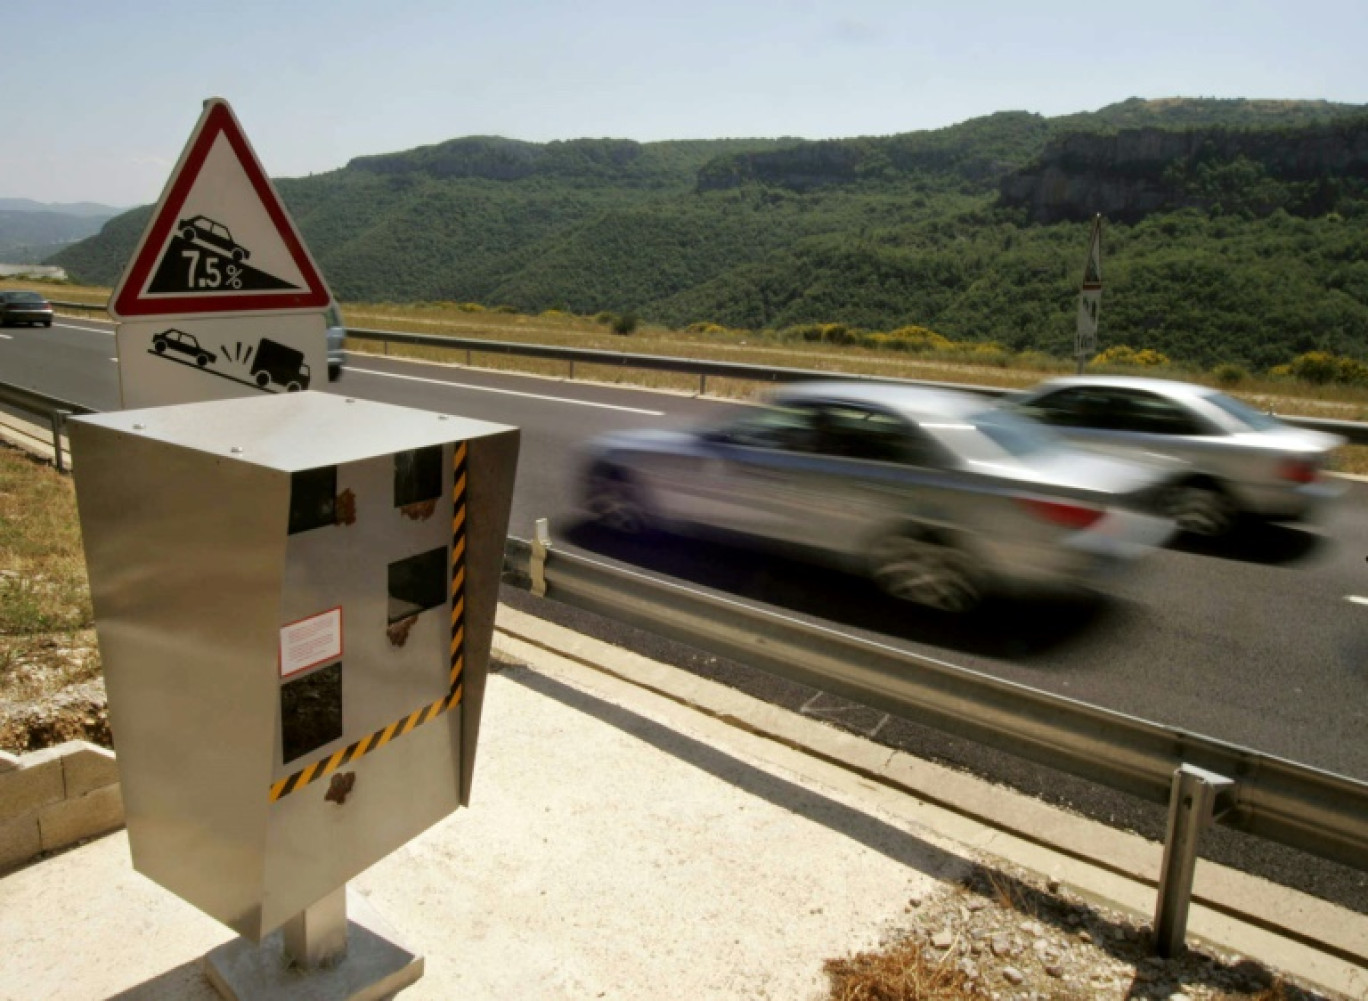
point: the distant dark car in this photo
(24, 307)
(939, 497)
(202, 229)
(1240, 461)
(179, 340)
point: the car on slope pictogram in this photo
(203, 230)
(24, 307)
(180, 341)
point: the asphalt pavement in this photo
(638, 832)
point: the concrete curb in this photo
(53, 798)
(1285, 929)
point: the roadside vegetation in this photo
(50, 681)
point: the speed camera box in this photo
(294, 596)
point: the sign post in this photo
(220, 298)
(1090, 299)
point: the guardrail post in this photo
(572, 370)
(702, 384)
(58, 418)
(1197, 798)
(541, 545)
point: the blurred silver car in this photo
(336, 342)
(941, 497)
(1240, 461)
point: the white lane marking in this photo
(8, 337)
(1354, 599)
(507, 392)
(88, 330)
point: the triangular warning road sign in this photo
(220, 242)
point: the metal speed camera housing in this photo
(294, 596)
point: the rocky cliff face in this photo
(1132, 173)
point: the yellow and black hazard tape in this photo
(418, 717)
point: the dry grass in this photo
(49, 663)
(903, 972)
(762, 348)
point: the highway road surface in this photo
(1261, 640)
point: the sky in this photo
(100, 97)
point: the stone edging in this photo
(56, 797)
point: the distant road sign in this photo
(220, 242)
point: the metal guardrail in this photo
(1203, 780)
(1354, 432)
(52, 408)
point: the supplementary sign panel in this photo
(220, 241)
(187, 360)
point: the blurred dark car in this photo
(940, 497)
(1240, 461)
(24, 307)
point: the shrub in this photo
(625, 323)
(1124, 356)
(918, 339)
(1229, 374)
(705, 328)
(605, 317)
(1321, 367)
(505, 309)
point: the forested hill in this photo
(1236, 230)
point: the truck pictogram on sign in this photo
(268, 365)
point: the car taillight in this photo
(1297, 471)
(1061, 512)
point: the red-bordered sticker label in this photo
(310, 642)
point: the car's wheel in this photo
(239, 254)
(159, 347)
(926, 572)
(47, 323)
(1199, 507)
(188, 233)
(293, 387)
(262, 379)
(616, 503)
(201, 360)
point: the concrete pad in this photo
(377, 965)
(604, 853)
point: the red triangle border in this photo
(129, 302)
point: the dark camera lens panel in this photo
(417, 475)
(311, 711)
(418, 583)
(313, 498)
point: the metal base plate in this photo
(377, 965)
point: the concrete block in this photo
(65, 823)
(8, 762)
(87, 767)
(37, 782)
(19, 841)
